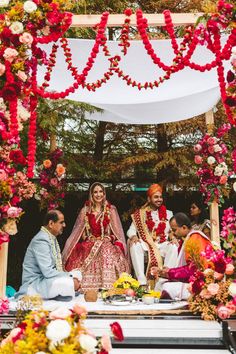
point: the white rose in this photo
(4, 3)
(16, 27)
(211, 160)
(23, 113)
(58, 330)
(88, 343)
(218, 171)
(234, 50)
(30, 6)
(217, 148)
(223, 165)
(37, 197)
(234, 186)
(232, 289)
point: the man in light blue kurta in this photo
(42, 267)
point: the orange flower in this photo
(47, 163)
(60, 169)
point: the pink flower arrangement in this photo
(210, 156)
(212, 289)
(228, 233)
(51, 189)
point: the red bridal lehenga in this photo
(97, 248)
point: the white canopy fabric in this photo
(186, 94)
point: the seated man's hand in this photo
(157, 272)
(77, 284)
(164, 272)
(154, 271)
(134, 239)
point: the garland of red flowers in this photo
(158, 232)
(183, 53)
(97, 227)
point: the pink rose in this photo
(80, 310)
(211, 149)
(231, 307)
(4, 303)
(130, 292)
(10, 54)
(3, 175)
(229, 269)
(223, 179)
(211, 140)
(198, 159)
(60, 314)
(213, 288)
(218, 276)
(54, 182)
(26, 38)
(205, 294)
(2, 69)
(106, 343)
(197, 148)
(13, 212)
(223, 312)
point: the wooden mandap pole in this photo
(214, 207)
(3, 269)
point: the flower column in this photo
(214, 206)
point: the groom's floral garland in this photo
(158, 232)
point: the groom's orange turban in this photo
(153, 189)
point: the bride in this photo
(97, 244)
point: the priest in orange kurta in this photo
(192, 244)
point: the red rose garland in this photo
(158, 232)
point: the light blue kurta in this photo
(39, 266)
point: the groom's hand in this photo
(134, 239)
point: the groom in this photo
(42, 267)
(148, 233)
